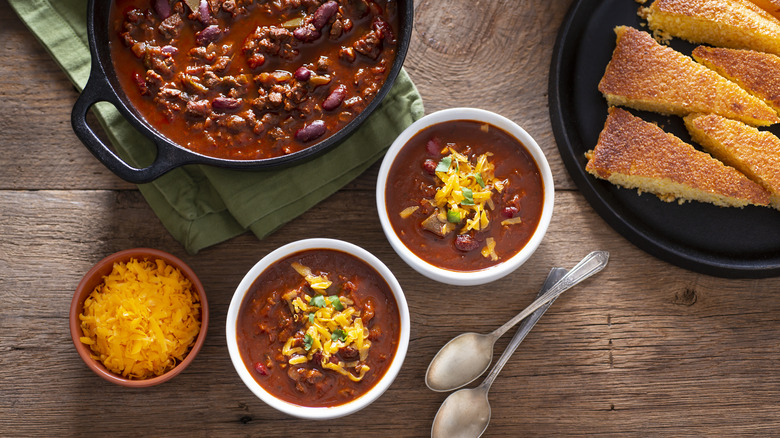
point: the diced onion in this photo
(406, 212)
(510, 221)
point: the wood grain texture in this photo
(642, 349)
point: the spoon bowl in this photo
(465, 413)
(467, 357)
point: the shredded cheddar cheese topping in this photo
(142, 320)
(466, 189)
(331, 323)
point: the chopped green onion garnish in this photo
(336, 302)
(444, 164)
(318, 301)
(468, 197)
(338, 335)
(453, 216)
(480, 181)
(307, 341)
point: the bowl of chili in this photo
(318, 328)
(142, 345)
(239, 84)
(465, 196)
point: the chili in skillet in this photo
(252, 79)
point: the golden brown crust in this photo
(637, 154)
(645, 75)
(754, 153)
(756, 72)
(738, 24)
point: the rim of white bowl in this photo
(318, 413)
(492, 273)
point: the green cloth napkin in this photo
(204, 205)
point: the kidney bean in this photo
(302, 74)
(225, 103)
(374, 8)
(347, 54)
(306, 33)
(261, 369)
(208, 35)
(324, 13)
(433, 146)
(311, 131)
(383, 29)
(162, 8)
(465, 243)
(203, 10)
(509, 212)
(430, 166)
(335, 98)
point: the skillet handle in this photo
(98, 90)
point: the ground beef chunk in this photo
(234, 123)
(154, 80)
(347, 53)
(221, 64)
(171, 27)
(269, 40)
(198, 108)
(323, 64)
(287, 96)
(159, 61)
(203, 54)
(171, 100)
(231, 8)
(369, 45)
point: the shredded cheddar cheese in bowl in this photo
(332, 323)
(464, 195)
(142, 320)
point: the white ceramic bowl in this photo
(466, 278)
(318, 413)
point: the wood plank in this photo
(641, 340)
(644, 348)
(40, 149)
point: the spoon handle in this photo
(525, 327)
(591, 264)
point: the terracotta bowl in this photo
(95, 276)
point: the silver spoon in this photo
(466, 413)
(449, 417)
(467, 356)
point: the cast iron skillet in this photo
(723, 242)
(103, 86)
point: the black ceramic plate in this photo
(724, 242)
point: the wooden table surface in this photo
(644, 348)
